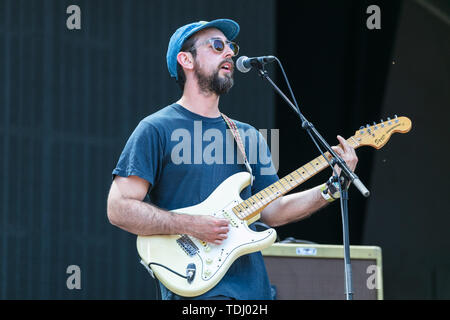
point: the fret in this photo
(354, 144)
(250, 204)
(278, 184)
(262, 197)
(296, 177)
(299, 174)
(313, 169)
(304, 172)
(288, 182)
(241, 209)
(322, 161)
(267, 196)
(274, 186)
(255, 202)
(245, 205)
(270, 193)
(237, 213)
(315, 163)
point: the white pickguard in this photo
(211, 261)
(240, 236)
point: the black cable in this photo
(287, 82)
(167, 268)
(157, 284)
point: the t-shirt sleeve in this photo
(264, 170)
(142, 155)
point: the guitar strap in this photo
(237, 137)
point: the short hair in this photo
(188, 46)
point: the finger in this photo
(338, 150)
(345, 146)
(222, 231)
(222, 222)
(223, 236)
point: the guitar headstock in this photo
(378, 134)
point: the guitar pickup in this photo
(187, 245)
(230, 218)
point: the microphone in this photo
(244, 64)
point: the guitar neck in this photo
(251, 207)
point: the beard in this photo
(214, 83)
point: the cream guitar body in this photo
(207, 262)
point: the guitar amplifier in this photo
(316, 272)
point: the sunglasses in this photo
(218, 45)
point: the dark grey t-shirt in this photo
(185, 157)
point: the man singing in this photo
(153, 176)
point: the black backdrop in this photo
(338, 67)
(70, 99)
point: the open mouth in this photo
(227, 66)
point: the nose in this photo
(228, 53)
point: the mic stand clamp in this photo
(346, 173)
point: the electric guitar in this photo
(190, 267)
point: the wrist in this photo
(324, 193)
(333, 188)
(330, 190)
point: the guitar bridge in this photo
(187, 245)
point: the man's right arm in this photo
(127, 211)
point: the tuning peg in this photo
(382, 123)
(375, 125)
(396, 119)
(389, 121)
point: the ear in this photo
(186, 60)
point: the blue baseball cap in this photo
(229, 28)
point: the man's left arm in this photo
(297, 206)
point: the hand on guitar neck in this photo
(347, 153)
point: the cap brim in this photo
(229, 27)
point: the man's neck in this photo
(206, 105)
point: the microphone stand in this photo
(346, 173)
